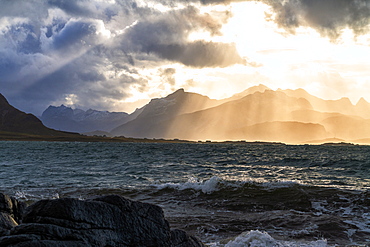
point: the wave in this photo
(257, 238)
(216, 183)
(207, 186)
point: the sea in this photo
(225, 194)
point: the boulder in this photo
(109, 220)
(10, 213)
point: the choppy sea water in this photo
(225, 194)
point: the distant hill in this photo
(343, 105)
(215, 123)
(257, 114)
(14, 120)
(259, 88)
(162, 109)
(18, 126)
(77, 120)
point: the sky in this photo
(116, 55)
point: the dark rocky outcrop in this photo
(10, 213)
(14, 120)
(103, 221)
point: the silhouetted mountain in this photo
(347, 127)
(260, 88)
(343, 105)
(162, 109)
(14, 120)
(77, 120)
(217, 122)
(363, 106)
(288, 132)
(257, 114)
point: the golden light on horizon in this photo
(274, 57)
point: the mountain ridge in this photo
(14, 120)
(310, 117)
(77, 120)
(256, 114)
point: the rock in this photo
(182, 239)
(103, 221)
(10, 213)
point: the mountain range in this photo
(77, 120)
(13, 121)
(256, 114)
(20, 126)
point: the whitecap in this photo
(253, 239)
(257, 238)
(207, 186)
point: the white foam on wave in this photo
(263, 239)
(22, 195)
(281, 184)
(252, 239)
(207, 186)
(215, 183)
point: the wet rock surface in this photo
(110, 220)
(10, 213)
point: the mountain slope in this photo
(347, 127)
(343, 105)
(287, 132)
(77, 120)
(291, 116)
(259, 88)
(162, 109)
(216, 122)
(14, 120)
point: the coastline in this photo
(76, 137)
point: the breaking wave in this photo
(257, 238)
(216, 183)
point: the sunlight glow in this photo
(303, 60)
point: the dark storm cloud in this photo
(53, 48)
(34, 9)
(199, 54)
(167, 37)
(73, 33)
(82, 77)
(328, 17)
(204, 2)
(172, 27)
(75, 8)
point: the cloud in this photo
(168, 75)
(74, 33)
(96, 51)
(85, 78)
(33, 9)
(167, 37)
(198, 54)
(329, 17)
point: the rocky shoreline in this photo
(110, 220)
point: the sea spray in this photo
(207, 186)
(257, 238)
